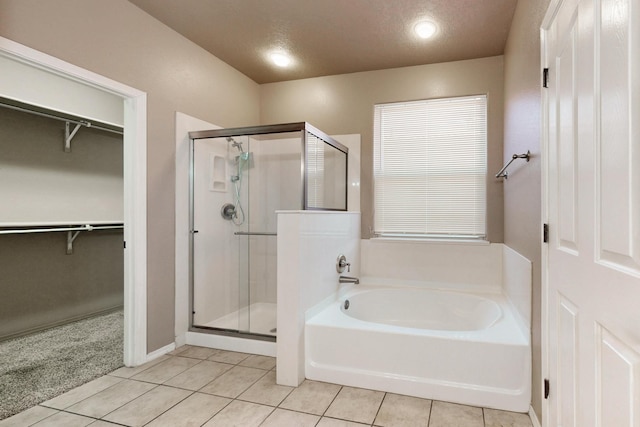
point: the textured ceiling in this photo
(327, 37)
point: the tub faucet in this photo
(347, 279)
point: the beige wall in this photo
(522, 191)
(115, 39)
(343, 104)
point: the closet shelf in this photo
(68, 133)
(72, 230)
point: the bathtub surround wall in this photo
(452, 265)
(517, 276)
(309, 243)
(477, 267)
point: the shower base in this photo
(258, 318)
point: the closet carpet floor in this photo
(45, 364)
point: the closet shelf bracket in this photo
(69, 134)
(71, 236)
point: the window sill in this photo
(430, 241)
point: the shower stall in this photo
(239, 178)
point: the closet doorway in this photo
(39, 71)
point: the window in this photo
(430, 167)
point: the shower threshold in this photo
(258, 318)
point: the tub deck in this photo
(489, 368)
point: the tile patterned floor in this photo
(196, 386)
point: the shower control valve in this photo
(341, 264)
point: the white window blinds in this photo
(315, 171)
(430, 167)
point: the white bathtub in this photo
(451, 346)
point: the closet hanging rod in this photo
(72, 231)
(503, 172)
(72, 227)
(85, 123)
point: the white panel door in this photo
(592, 199)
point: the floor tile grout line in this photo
(379, 407)
(171, 407)
(126, 403)
(74, 413)
(265, 418)
(88, 397)
(331, 403)
(249, 386)
(218, 411)
(191, 392)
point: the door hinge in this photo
(545, 233)
(546, 388)
(545, 77)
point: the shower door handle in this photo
(255, 233)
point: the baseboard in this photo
(161, 351)
(58, 323)
(181, 339)
(534, 418)
(242, 345)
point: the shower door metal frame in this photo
(192, 232)
(303, 127)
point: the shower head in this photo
(245, 160)
(235, 144)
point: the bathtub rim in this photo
(501, 331)
(495, 305)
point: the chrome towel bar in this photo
(503, 172)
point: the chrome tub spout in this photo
(347, 279)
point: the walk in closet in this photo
(61, 218)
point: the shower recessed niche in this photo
(217, 172)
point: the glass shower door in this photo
(239, 179)
(217, 214)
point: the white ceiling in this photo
(327, 37)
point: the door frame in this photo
(554, 6)
(135, 187)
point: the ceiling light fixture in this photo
(425, 29)
(280, 59)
